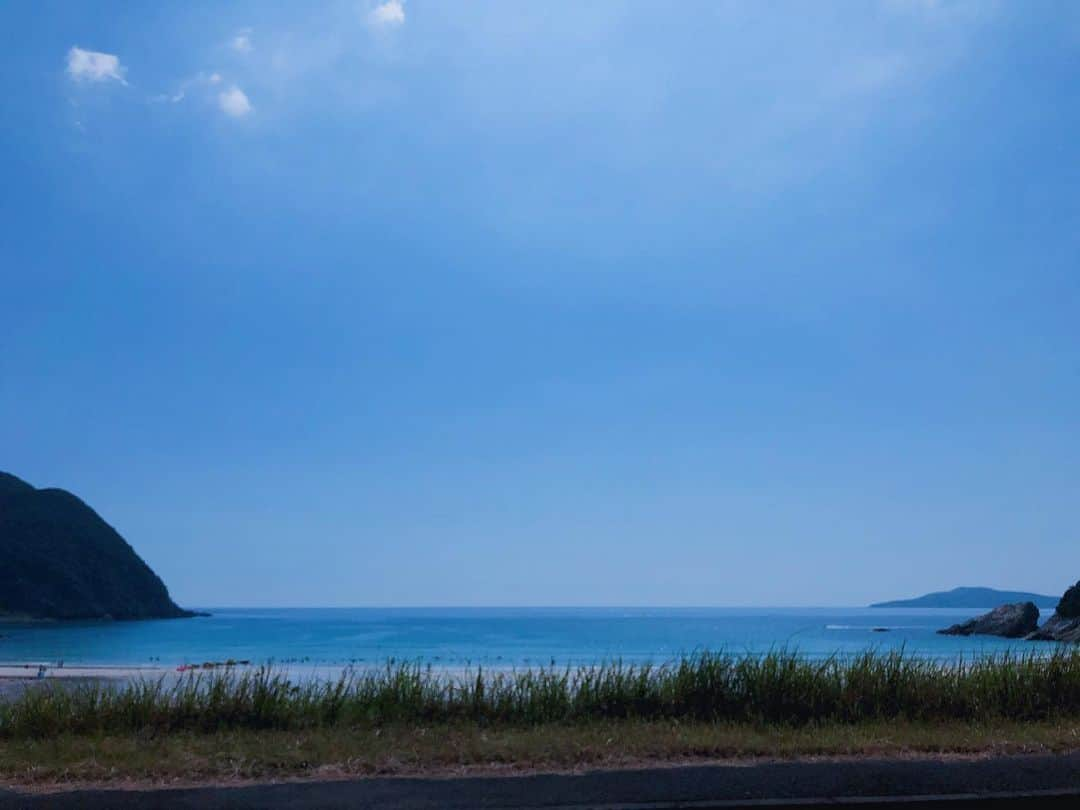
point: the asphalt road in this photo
(1011, 782)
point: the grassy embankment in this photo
(409, 719)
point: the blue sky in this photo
(487, 303)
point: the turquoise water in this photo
(490, 637)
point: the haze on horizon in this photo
(430, 303)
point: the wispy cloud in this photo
(945, 10)
(181, 92)
(234, 102)
(388, 14)
(94, 66)
(241, 43)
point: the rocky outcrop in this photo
(60, 560)
(1058, 628)
(1064, 625)
(1069, 606)
(1010, 621)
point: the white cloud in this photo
(234, 102)
(390, 13)
(214, 78)
(93, 66)
(241, 43)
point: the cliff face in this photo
(60, 560)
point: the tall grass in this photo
(779, 688)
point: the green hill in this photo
(971, 598)
(60, 560)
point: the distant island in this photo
(60, 560)
(971, 598)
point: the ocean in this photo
(492, 637)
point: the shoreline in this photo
(28, 669)
(15, 679)
(21, 671)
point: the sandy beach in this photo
(15, 678)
